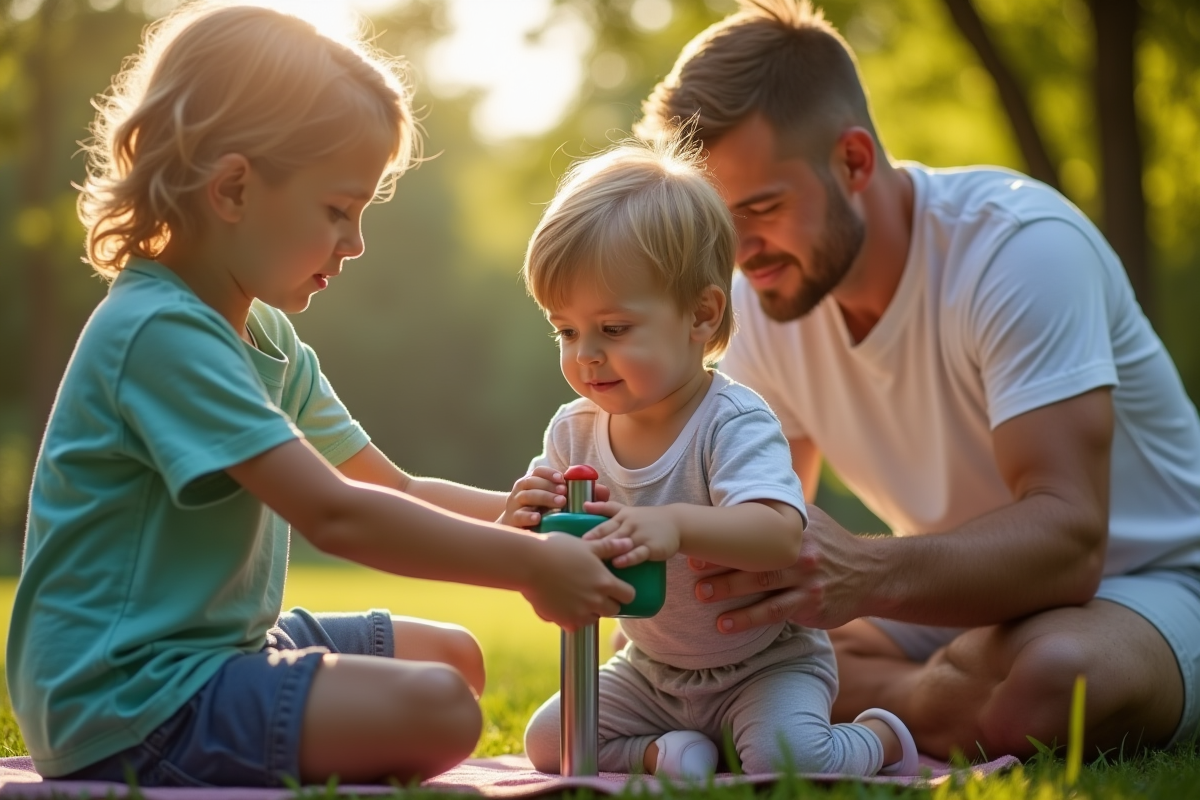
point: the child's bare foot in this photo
(899, 748)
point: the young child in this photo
(232, 163)
(632, 264)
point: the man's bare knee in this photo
(1034, 699)
(861, 638)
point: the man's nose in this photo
(749, 244)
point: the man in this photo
(964, 349)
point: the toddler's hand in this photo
(571, 586)
(544, 488)
(653, 530)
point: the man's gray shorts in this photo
(1168, 598)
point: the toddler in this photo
(231, 165)
(631, 264)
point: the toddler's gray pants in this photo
(775, 705)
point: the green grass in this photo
(522, 660)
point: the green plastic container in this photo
(648, 578)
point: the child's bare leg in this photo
(371, 718)
(422, 640)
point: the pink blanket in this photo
(504, 776)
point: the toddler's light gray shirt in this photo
(731, 451)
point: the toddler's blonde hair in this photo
(644, 205)
(213, 79)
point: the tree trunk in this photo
(41, 346)
(1012, 96)
(1116, 24)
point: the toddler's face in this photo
(299, 232)
(625, 347)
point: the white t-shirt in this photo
(731, 451)
(1010, 300)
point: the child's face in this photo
(297, 233)
(626, 348)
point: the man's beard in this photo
(840, 244)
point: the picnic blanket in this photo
(500, 777)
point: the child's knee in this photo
(443, 701)
(542, 737)
(464, 654)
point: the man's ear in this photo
(854, 158)
(708, 313)
(226, 187)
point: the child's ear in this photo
(708, 313)
(226, 187)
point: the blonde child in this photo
(632, 264)
(232, 164)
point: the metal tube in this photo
(578, 493)
(579, 702)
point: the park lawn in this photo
(522, 660)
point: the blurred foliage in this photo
(429, 337)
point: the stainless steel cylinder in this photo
(579, 702)
(578, 493)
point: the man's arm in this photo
(1045, 549)
(806, 460)
(370, 465)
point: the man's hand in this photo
(654, 531)
(824, 589)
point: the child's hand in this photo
(654, 531)
(543, 488)
(571, 586)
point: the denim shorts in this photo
(243, 727)
(1169, 599)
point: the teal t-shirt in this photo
(146, 566)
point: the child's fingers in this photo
(605, 509)
(526, 517)
(635, 556)
(606, 549)
(538, 498)
(606, 530)
(547, 473)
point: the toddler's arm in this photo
(370, 465)
(561, 576)
(757, 535)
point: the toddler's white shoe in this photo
(686, 754)
(909, 764)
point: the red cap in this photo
(581, 472)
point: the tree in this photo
(1116, 29)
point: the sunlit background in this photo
(429, 338)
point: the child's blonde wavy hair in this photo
(213, 79)
(645, 205)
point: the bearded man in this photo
(964, 349)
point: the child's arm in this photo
(561, 576)
(755, 536)
(370, 465)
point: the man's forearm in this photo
(1038, 553)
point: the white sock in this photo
(686, 754)
(908, 763)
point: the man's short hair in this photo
(777, 58)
